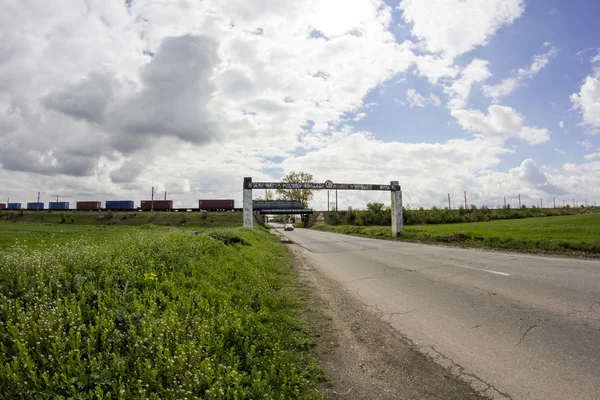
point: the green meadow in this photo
(564, 234)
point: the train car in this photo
(276, 204)
(156, 205)
(89, 205)
(13, 206)
(56, 205)
(216, 204)
(35, 206)
(2, 206)
(117, 205)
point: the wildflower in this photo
(151, 276)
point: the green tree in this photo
(302, 195)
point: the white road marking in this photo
(495, 272)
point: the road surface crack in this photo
(475, 382)
(536, 325)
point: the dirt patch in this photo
(362, 356)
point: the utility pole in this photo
(541, 203)
(555, 202)
(152, 201)
(37, 206)
(519, 201)
(57, 198)
(465, 199)
(165, 194)
(328, 199)
(504, 201)
(449, 208)
(563, 203)
(573, 202)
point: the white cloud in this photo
(191, 96)
(416, 99)
(359, 116)
(501, 122)
(436, 68)
(509, 85)
(587, 101)
(435, 100)
(561, 124)
(454, 27)
(460, 89)
(534, 135)
(188, 78)
(586, 144)
(592, 156)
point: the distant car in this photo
(288, 227)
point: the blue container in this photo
(119, 205)
(61, 205)
(13, 206)
(35, 206)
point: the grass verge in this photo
(564, 234)
(159, 314)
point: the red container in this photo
(216, 204)
(157, 205)
(2, 206)
(89, 205)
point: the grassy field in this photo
(573, 233)
(134, 218)
(133, 312)
(35, 234)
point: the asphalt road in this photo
(527, 326)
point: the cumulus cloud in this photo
(454, 27)
(531, 174)
(509, 85)
(85, 99)
(500, 122)
(177, 85)
(190, 97)
(586, 144)
(128, 172)
(587, 101)
(477, 71)
(592, 156)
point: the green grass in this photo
(573, 233)
(36, 234)
(160, 313)
(134, 218)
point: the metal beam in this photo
(319, 186)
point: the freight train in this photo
(157, 205)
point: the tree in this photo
(302, 195)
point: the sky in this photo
(105, 99)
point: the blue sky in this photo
(544, 100)
(495, 97)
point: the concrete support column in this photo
(397, 219)
(247, 202)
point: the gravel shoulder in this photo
(362, 356)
